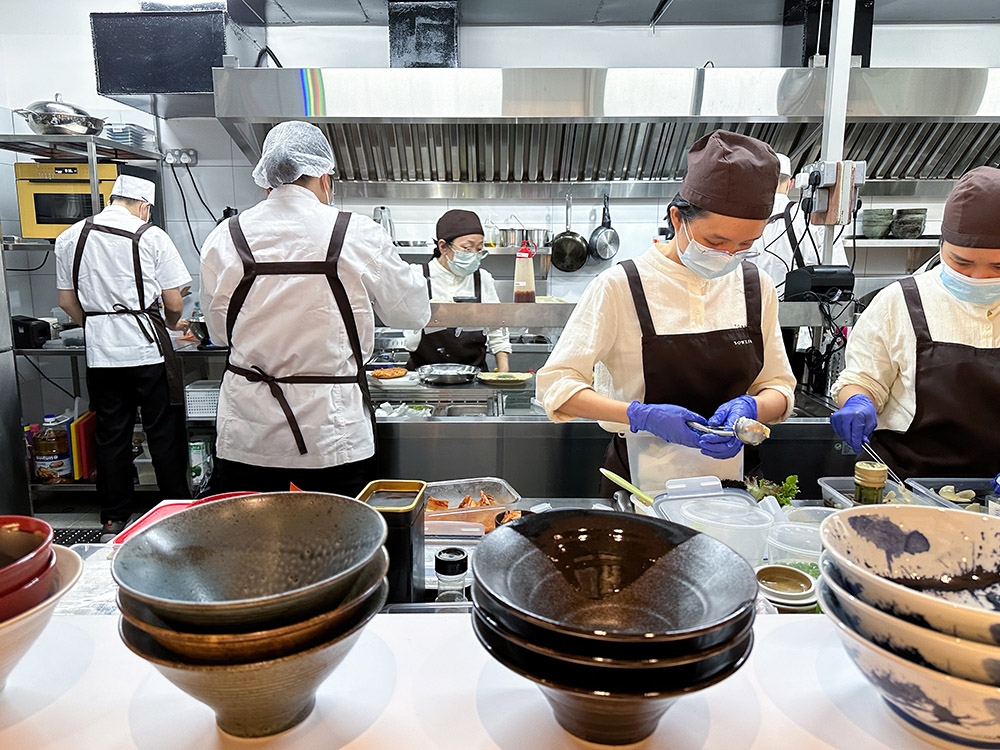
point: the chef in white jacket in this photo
(292, 285)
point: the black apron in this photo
(148, 318)
(251, 270)
(699, 371)
(954, 429)
(467, 348)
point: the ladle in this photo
(746, 430)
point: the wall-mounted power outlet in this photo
(187, 156)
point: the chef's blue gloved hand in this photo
(666, 421)
(855, 420)
(718, 446)
(996, 485)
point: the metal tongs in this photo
(871, 452)
(746, 430)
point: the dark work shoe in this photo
(111, 529)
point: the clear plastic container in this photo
(808, 513)
(838, 492)
(794, 542)
(668, 504)
(929, 486)
(742, 527)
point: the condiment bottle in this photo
(450, 566)
(524, 273)
(53, 463)
(869, 482)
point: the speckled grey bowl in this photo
(250, 562)
(260, 698)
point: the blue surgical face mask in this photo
(708, 262)
(967, 289)
(464, 264)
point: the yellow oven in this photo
(51, 196)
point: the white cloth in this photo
(446, 286)
(778, 258)
(107, 278)
(603, 332)
(290, 325)
(881, 354)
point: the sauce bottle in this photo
(869, 482)
(450, 566)
(524, 273)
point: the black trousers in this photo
(346, 479)
(115, 395)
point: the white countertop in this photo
(423, 681)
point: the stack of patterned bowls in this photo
(908, 223)
(914, 592)
(876, 222)
(613, 616)
(249, 603)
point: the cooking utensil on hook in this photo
(604, 240)
(746, 430)
(627, 485)
(569, 248)
(871, 452)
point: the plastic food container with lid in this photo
(794, 542)
(742, 527)
(667, 504)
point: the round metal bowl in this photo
(250, 562)
(447, 374)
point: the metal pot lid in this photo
(56, 107)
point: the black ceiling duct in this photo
(423, 34)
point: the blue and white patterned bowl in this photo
(933, 703)
(934, 567)
(969, 660)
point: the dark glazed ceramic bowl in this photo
(251, 562)
(604, 715)
(238, 648)
(260, 698)
(25, 547)
(612, 577)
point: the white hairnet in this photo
(292, 149)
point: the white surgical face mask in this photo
(329, 192)
(968, 289)
(708, 262)
(463, 264)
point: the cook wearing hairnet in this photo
(686, 332)
(292, 285)
(922, 375)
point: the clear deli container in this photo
(455, 491)
(794, 542)
(667, 504)
(740, 526)
(838, 492)
(929, 487)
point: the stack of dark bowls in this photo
(613, 615)
(249, 603)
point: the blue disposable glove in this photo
(666, 421)
(717, 446)
(855, 420)
(996, 485)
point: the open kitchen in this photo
(431, 374)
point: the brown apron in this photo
(954, 429)
(465, 348)
(699, 371)
(156, 332)
(251, 270)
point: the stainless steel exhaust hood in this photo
(538, 132)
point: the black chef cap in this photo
(731, 174)
(972, 213)
(458, 223)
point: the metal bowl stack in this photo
(913, 592)
(613, 615)
(249, 603)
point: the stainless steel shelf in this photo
(83, 487)
(891, 242)
(47, 247)
(62, 351)
(494, 314)
(73, 147)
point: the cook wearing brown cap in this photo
(456, 276)
(687, 333)
(920, 337)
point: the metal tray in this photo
(447, 374)
(457, 489)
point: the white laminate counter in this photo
(423, 681)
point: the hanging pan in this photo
(569, 248)
(604, 240)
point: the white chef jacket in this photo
(778, 259)
(107, 278)
(881, 354)
(603, 331)
(290, 325)
(446, 286)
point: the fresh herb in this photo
(784, 493)
(810, 568)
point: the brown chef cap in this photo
(732, 175)
(972, 213)
(458, 223)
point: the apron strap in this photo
(915, 307)
(792, 239)
(751, 294)
(427, 275)
(639, 299)
(81, 243)
(478, 282)
(249, 274)
(140, 288)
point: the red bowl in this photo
(30, 594)
(25, 543)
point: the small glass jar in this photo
(869, 482)
(450, 566)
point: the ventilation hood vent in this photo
(533, 132)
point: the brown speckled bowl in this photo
(251, 562)
(260, 698)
